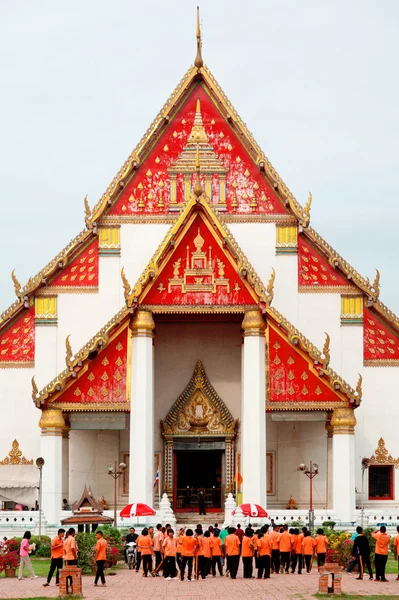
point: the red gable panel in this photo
(314, 270)
(292, 378)
(104, 381)
(149, 191)
(17, 342)
(82, 271)
(380, 344)
(198, 272)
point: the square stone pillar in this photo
(141, 457)
(343, 423)
(253, 410)
(52, 425)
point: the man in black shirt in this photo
(361, 549)
(131, 537)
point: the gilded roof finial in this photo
(88, 215)
(326, 350)
(198, 59)
(17, 285)
(270, 287)
(127, 289)
(198, 191)
(306, 210)
(376, 283)
(35, 390)
(68, 352)
(359, 389)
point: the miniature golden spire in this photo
(35, 391)
(88, 215)
(198, 191)
(68, 352)
(376, 283)
(306, 210)
(126, 285)
(326, 350)
(270, 287)
(198, 59)
(17, 285)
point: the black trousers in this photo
(380, 562)
(216, 560)
(100, 571)
(248, 566)
(207, 565)
(364, 562)
(296, 559)
(138, 561)
(186, 560)
(169, 566)
(202, 510)
(147, 563)
(308, 562)
(232, 565)
(158, 558)
(321, 559)
(178, 559)
(285, 560)
(56, 563)
(276, 561)
(201, 566)
(264, 566)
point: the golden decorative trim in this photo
(17, 365)
(327, 289)
(73, 407)
(164, 219)
(52, 418)
(17, 285)
(383, 362)
(253, 323)
(186, 309)
(142, 322)
(15, 456)
(381, 456)
(45, 291)
(303, 406)
(343, 421)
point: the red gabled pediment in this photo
(380, 344)
(230, 175)
(82, 271)
(314, 271)
(17, 341)
(293, 376)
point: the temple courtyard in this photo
(128, 584)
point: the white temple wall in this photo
(110, 293)
(138, 244)
(286, 286)
(258, 242)
(46, 354)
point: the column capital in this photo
(142, 323)
(52, 422)
(253, 323)
(329, 428)
(343, 420)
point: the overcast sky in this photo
(315, 81)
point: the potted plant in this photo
(9, 562)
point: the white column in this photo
(253, 410)
(343, 423)
(52, 425)
(141, 457)
(65, 465)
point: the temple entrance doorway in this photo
(196, 470)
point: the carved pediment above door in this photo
(199, 411)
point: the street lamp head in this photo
(365, 462)
(40, 462)
(302, 467)
(122, 466)
(315, 468)
(110, 469)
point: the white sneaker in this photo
(175, 579)
(168, 578)
(35, 577)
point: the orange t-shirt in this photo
(396, 544)
(169, 546)
(57, 547)
(298, 543)
(264, 546)
(101, 549)
(206, 546)
(179, 543)
(381, 542)
(69, 546)
(321, 544)
(189, 545)
(247, 549)
(275, 540)
(285, 542)
(200, 551)
(216, 546)
(308, 544)
(144, 543)
(232, 544)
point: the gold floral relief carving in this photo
(382, 457)
(15, 456)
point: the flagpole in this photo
(159, 487)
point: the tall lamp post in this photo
(365, 465)
(115, 472)
(40, 464)
(310, 472)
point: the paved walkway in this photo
(131, 585)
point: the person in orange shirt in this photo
(157, 541)
(247, 553)
(200, 561)
(57, 552)
(264, 554)
(70, 548)
(381, 552)
(188, 548)
(145, 546)
(216, 549)
(232, 549)
(169, 548)
(206, 548)
(308, 544)
(297, 556)
(285, 548)
(395, 549)
(101, 556)
(275, 544)
(179, 546)
(321, 543)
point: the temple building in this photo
(173, 334)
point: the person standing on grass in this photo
(308, 544)
(395, 549)
(381, 552)
(361, 549)
(57, 553)
(101, 556)
(25, 560)
(321, 547)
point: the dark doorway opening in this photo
(196, 470)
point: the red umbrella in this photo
(251, 510)
(137, 510)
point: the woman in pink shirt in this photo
(25, 560)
